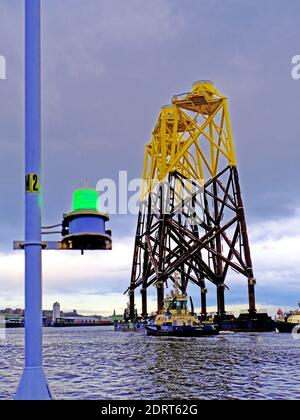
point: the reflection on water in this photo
(98, 363)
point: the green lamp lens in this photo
(85, 199)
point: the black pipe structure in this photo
(192, 218)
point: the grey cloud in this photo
(108, 66)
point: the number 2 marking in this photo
(32, 183)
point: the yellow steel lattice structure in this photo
(191, 220)
(192, 136)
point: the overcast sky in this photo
(108, 67)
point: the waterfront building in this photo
(56, 311)
(71, 314)
(116, 318)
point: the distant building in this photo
(79, 321)
(48, 314)
(19, 312)
(8, 311)
(116, 317)
(56, 311)
(71, 314)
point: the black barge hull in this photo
(181, 333)
(287, 327)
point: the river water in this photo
(97, 363)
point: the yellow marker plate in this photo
(32, 182)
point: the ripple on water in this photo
(98, 363)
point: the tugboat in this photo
(287, 323)
(175, 320)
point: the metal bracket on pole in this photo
(46, 245)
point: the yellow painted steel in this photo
(192, 136)
(176, 317)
